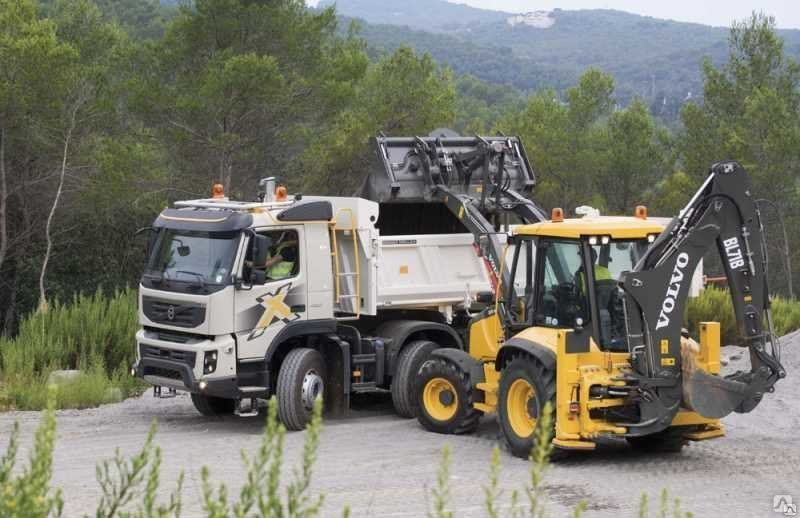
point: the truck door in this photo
(264, 308)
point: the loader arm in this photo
(722, 213)
(481, 180)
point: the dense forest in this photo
(110, 110)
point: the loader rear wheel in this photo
(411, 359)
(301, 380)
(670, 440)
(445, 398)
(213, 406)
(525, 387)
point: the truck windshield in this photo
(193, 258)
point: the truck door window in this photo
(283, 258)
(560, 302)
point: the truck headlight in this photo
(210, 362)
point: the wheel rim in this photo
(440, 399)
(521, 396)
(312, 389)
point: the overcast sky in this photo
(709, 12)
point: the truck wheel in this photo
(213, 406)
(525, 387)
(411, 359)
(301, 380)
(670, 440)
(445, 398)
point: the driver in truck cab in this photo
(281, 259)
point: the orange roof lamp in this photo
(218, 191)
(640, 212)
(281, 193)
(557, 215)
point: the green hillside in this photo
(658, 60)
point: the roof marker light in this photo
(218, 191)
(640, 212)
(557, 215)
(281, 193)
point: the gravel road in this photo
(381, 465)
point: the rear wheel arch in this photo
(517, 346)
(404, 332)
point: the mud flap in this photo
(709, 395)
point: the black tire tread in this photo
(403, 385)
(547, 378)
(290, 409)
(670, 440)
(213, 406)
(445, 369)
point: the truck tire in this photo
(525, 387)
(213, 406)
(670, 440)
(301, 380)
(445, 398)
(404, 384)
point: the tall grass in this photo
(714, 304)
(92, 333)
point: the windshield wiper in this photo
(195, 274)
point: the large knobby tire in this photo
(404, 383)
(445, 398)
(670, 440)
(301, 380)
(213, 406)
(525, 388)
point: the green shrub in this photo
(714, 305)
(93, 333)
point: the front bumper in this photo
(181, 365)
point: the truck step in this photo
(366, 386)
(252, 389)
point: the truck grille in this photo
(179, 314)
(149, 351)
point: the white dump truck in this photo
(296, 296)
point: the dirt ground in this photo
(381, 465)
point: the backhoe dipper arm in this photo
(724, 212)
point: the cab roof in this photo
(618, 227)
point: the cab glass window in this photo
(283, 257)
(560, 301)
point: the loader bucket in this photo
(707, 394)
(408, 169)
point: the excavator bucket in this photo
(707, 394)
(408, 169)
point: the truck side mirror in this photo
(258, 276)
(260, 251)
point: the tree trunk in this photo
(48, 228)
(3, 198)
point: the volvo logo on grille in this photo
(171, 312)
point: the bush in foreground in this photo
(130, 487)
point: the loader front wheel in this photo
(445, 398)
(525, 387)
